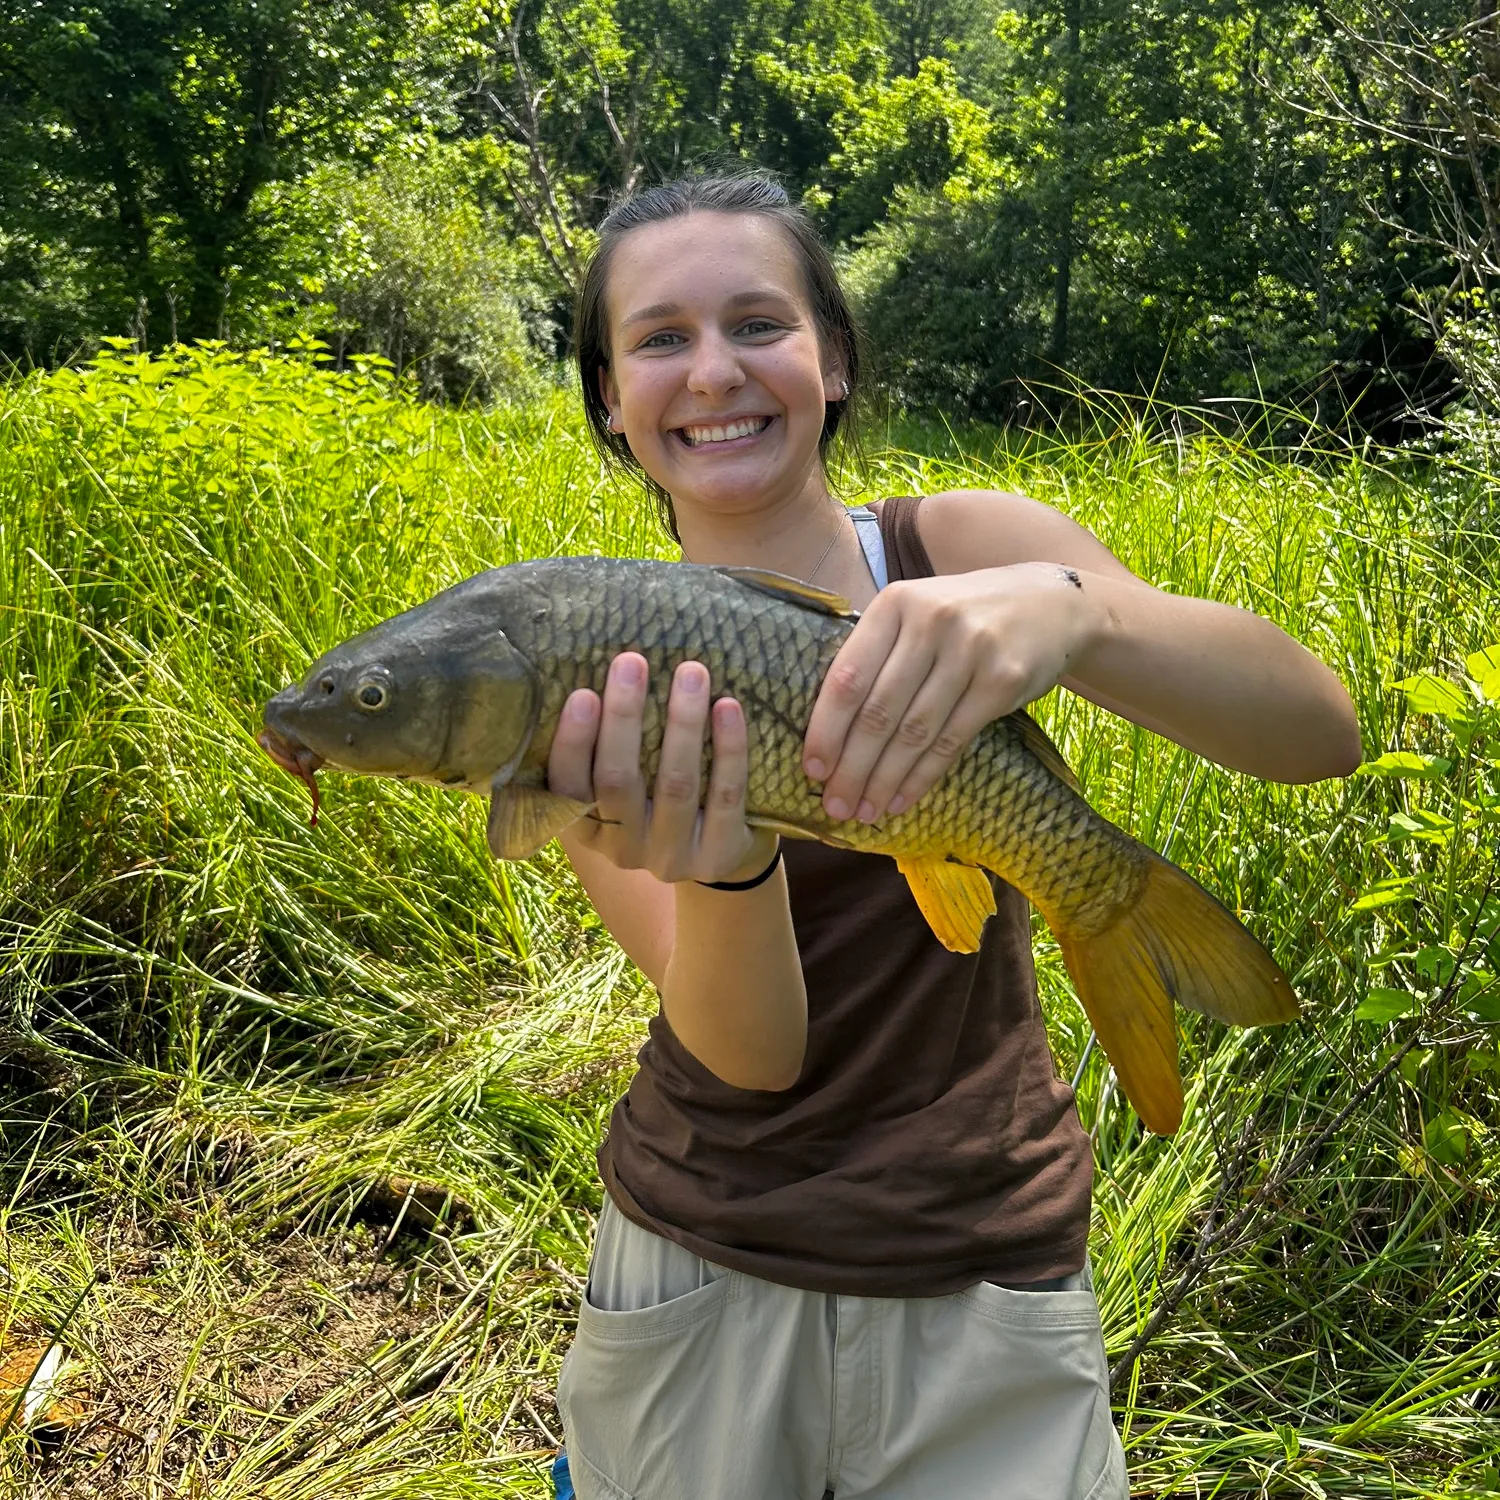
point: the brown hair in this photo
(729, 193)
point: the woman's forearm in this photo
(724, 961)
(733, 990)
(1225, 683)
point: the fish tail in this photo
(1177, 942)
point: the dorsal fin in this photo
(1036, 740)
(793, 590)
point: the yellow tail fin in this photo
(1176, 943)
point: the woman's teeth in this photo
(695, 437)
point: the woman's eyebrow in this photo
(749, 299)
(656, 310)
(739, 299)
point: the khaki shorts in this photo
(688, 1381)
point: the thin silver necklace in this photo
(817, 566)
(837, 531)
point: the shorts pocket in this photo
(630, 1388)
(590, 1484)
(1040, 1358)
(659, 1321)
(1113, 1482)
(1052, 1310)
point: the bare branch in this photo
(521, 116)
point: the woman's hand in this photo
(725, 963)
(929, 664)
(596, 757)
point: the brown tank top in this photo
(928, 1143)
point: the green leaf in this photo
(1405, 763)
(1385, 1005)
(1384, 893)
(1446, 1137)
(1434, 963)
(1484, 667)
(1419, 823)
(1475, 980)
(1428, 694)
(1485, 1005)
(1411, 1066)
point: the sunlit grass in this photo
(222, 1030)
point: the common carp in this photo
(466, 690)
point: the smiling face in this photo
(717, 375)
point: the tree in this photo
(595, 95)
(1421, 84)
(166, 118)
(918, 29)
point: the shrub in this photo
(401, 260)
(952, 296)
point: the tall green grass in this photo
(222, 1029)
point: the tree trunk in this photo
(1067, 206)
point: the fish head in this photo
(414, 698)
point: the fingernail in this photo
(815, 769)
(866, 811)
(898, 804)
(627, 671)
(837, 809)
(692, 681)
(577, 707)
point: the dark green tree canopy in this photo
(143, 130)
(1221, 199)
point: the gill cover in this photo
(496, 702)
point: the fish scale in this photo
(469, 687)
(740, 636)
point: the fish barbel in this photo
(466, 691)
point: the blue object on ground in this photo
(562, 1478)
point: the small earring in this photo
(614, 423)
(844, 386)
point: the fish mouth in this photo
(295, 759)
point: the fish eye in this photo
(372, 695)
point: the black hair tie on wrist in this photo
(745, 885)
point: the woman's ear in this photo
(610, 394)
(835, 385)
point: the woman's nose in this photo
(716, 366)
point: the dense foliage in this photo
(1275, 198)
(219, 1027)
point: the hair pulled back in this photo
(724, 193)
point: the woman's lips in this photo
(296, 759)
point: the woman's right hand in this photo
(596, 757)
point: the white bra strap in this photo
(867, 527)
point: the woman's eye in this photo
(661, 340)
(754, 326)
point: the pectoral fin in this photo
(793, 830)
(523, 818)
(957, 900)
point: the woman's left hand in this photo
(930, 663)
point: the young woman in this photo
(843, 1246)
